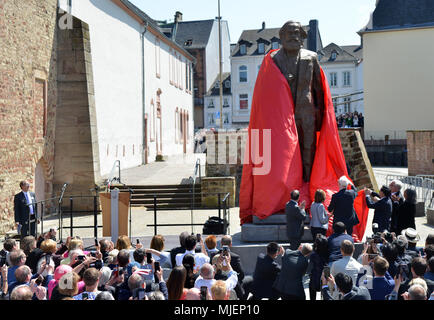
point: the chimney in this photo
(263, 25)
(178, 16)
(313, 36)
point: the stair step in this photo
(144, 187)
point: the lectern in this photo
(115, 206)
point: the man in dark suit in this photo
(342, 205)
(236, 265)
(266, 272)
(289, 283)
(397, 200)
(24, 208)
(344, 284)
(335, 241)
(295, 216)
(383, 208)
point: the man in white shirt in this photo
(200, 258)
(91, 278)
(347, 265)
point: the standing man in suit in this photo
(266, 272)
(342, 205)
(289, 283)
(295, 216)
(383, 208)
(397, 200)
(24, 208)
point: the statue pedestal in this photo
(270, 229)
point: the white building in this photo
(143, 84)
(212, 104)
(343, 67)
(246, 60)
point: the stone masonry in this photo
(28, 97)
(420, 145)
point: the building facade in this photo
(201, 39)
(398, 69)
(246, 60)
(212, 104)
(343, 67)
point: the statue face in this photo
(291, 37)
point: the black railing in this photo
(222, 205)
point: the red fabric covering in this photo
(273, 108)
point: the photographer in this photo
(383, 207)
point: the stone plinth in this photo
(212, 186)
(269, 232)
(420, 145)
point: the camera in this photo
(81, 258)
(93, 253)
(203, 292)
(97, 265)
(39, 280)
(225, 250)
(326, 272)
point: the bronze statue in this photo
(302, 71)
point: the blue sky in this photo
(339, 20)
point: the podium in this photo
(114, 206)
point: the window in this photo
(347, 104)
(188, 42)
(334, 55)
(157, 58)
(244, 101)
(261, 47)
(211, 119)
(347, 78)
(176, 125)
(275, 45)
(217, 84)
(211, 104)
(243, 73)
(225, 103)
(243, 50)
(228, 84)
(170, 67)
(226, 118)
(333, 79)
(335, 101)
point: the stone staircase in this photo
(169, 197)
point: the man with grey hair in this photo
(289, 283)
(22, 292)
(23, 275)
(18, 259)
(135, 281)
(342, 205)
(397, 200)
(180, 249)
(104, 295)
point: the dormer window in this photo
(188, 42)
(228, 84)
(261, 47)
(334, 55)
(217, 85)
(275, 45)
(211, 104)
(243, 49)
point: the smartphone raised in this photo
(39, 280)
(148, 257)
(198, 237)
(96, 243)
(203, 292)
(137, 240)
(47, 259)
(156, 266)
(326, 272)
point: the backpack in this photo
(215, 225)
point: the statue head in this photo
(292, 36)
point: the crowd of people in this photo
(350, 120)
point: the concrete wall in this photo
(28, 95)
(420, 146)
(398, 78)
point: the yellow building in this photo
(399, 69)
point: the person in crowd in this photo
(157, 244)
(124, 243)
(389, 252)
(175, 283)
(289, 282)
(189, 265)
(266, 272)
(318, 259)
(418, 269)
(193, 294)
(405, 213)
(235, 259)
(180, 249)
(412, 239)
(105, 246)
(49, 248)
(334, 241)
(90, 278)
(344, 284)
(8, 246)
(347, 264)
(18, 259)
(416, 291)
(381, 284)
(397, 200)
(73, 244)
(23, 275)
(104, 295)
(295, 217)
(361, 121)
(22, 292)
(67, 286)
(320, 219)
(105, 275)
(355, 120)
(342, 205)
(219, 291)
(429, 239)
(28, 244)
(211, 246)
(190, 246)
(58, 273)
(112, 258)
(383, 208)
(429, 274)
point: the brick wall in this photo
(420, 146)
(28, 97)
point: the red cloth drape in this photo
(262, 195)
